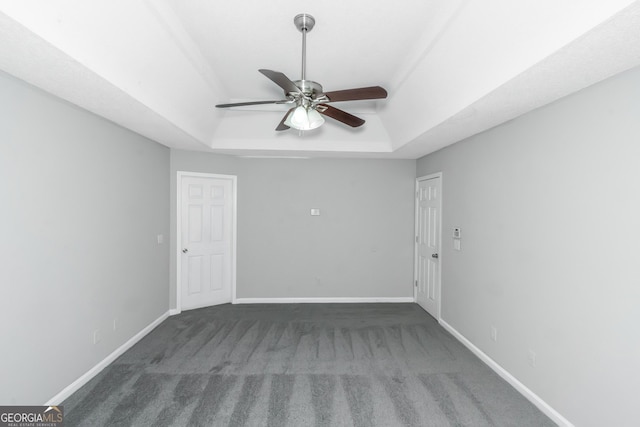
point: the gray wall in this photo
(82, 201)
(549, 206)
(360, 246)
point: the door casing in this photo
(234, 215)
(415, 244)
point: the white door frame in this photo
(415, 243)
(234, 220)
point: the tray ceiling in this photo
(453, 68)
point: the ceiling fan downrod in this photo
(304, 23)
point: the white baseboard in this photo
(321, 300)
(174, 311)
(75, 386)
(524, 390)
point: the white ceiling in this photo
(452, 68)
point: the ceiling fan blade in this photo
(341, 116)
(372, 92)
(244, 104)
(281, 125)
(281, 80)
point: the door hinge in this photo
(416, 285)
(417, 239)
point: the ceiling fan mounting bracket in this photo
(304, 22)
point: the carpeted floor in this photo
(300, 365)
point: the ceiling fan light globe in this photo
(315, 119)
(304, 119)
(296, 119)
(300, 119)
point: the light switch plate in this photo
(315, 212)
(457, 233)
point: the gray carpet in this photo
(300, 365)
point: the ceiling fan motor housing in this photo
(308, 87)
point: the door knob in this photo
(185, 250)
(434, 255)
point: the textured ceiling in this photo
(453, 68)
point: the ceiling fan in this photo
(307, 99)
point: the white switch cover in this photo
(457, 233)
(160, 239)
(456, 244)
(315, 212)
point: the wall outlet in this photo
(531, 358)
(494, 333)
(96, 336)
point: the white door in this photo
(206, 241)
(428, 203)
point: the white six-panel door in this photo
(428, 201)
(206, 240)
